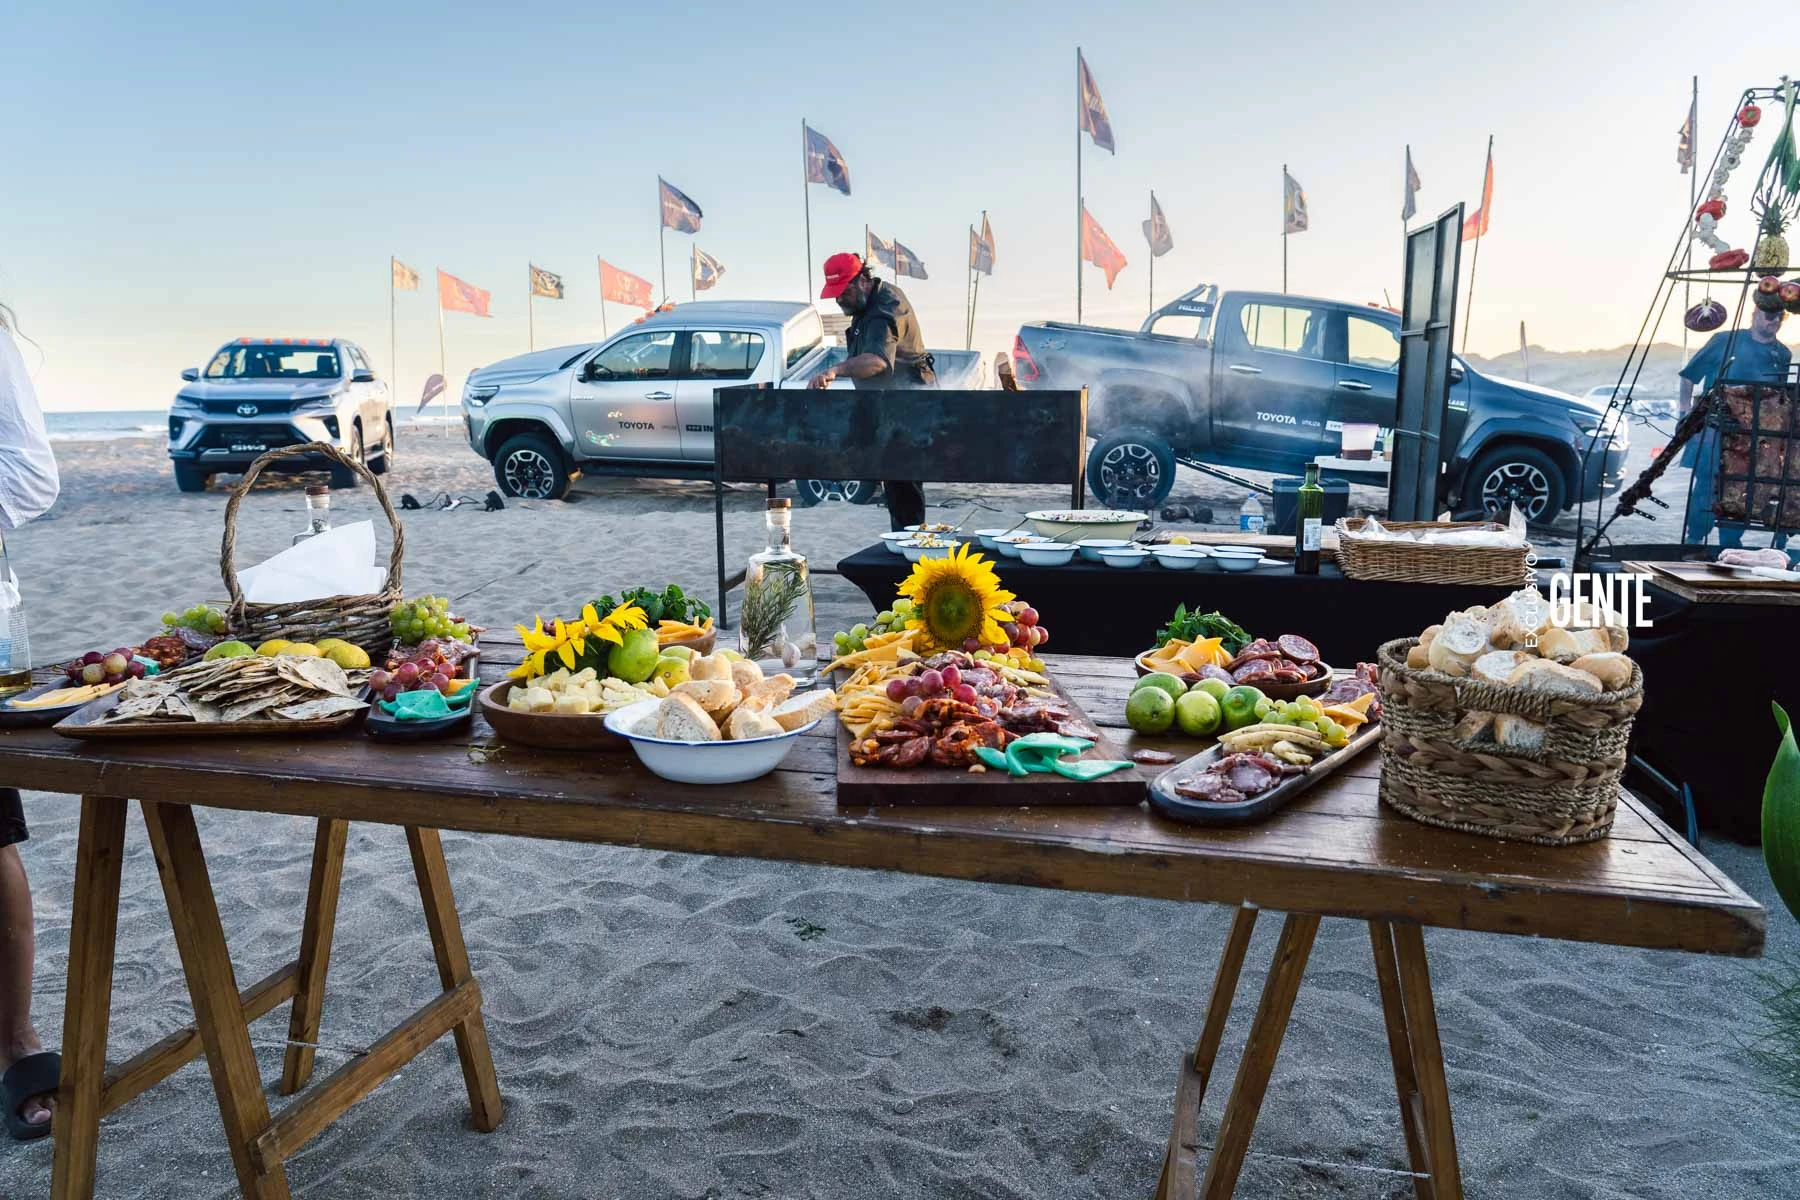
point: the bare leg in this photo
(17, 948)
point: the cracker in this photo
(315, 710)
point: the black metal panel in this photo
(938, 436)
(1427, 321)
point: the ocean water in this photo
(105, 426)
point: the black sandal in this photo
(34, 1075)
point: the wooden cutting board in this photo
(1700, 584)
(932, 784)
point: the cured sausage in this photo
(1152, 758)
(1298, 648)
(1256, 668)
(906, 754)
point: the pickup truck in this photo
(1265, 381)
(640, 403)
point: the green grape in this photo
(859, 631)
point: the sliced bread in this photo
(746, 723)
(803, 709)
(717, 696)
(680, 718)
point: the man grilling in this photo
(885, 350)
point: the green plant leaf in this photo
(1781, 816)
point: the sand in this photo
(677, 1026)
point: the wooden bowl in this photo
(702, 645)
(1274, 691)
(585, 732)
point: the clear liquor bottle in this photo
(775, 625)
(318, 512)
(15, 640)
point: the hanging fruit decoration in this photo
(1705, 316)
(1708, 214)
(1749, 115)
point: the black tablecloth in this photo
(1091, 608)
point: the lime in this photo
(1216, 688)
(1240, 706)
(1163, 681)
(634, 659)
(230, 650)
(1198, 713)
(1150, 710)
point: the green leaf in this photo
(1781, 816)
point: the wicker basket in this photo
(1411, 562)
(359, 620)
(1558, 795)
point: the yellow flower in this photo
(568, 640)
(618, 622)
(954, 599)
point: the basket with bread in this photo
(1504, 722)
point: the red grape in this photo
(408, 674)
(390, 691)
(1011, 630)
(439, 681)
(1029, 617)
(137, 670)
(952, 676)
(910, 705)
(92, 657)
(380, 679)
(931, 682)
(112, 679)
(1043, 635)
(964, 693)
(896, 690)
(93, 673)
(971, 645)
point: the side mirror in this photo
(362, 375)
(1456, 373)
(191, 374)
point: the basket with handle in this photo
(1561, 792)
(359, 620)
(1417, 562)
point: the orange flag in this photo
(455, 295)
(1476, 223)
(1098, 249)
(622, 287)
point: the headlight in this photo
(479, 394)
(315, 403)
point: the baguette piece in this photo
(712, 666)
(803, 709)
(747, 723)
(716, 696)
(1475, 726)
(1544, 676)
(1456, 647)
(681, 719)
(1559, 644)
(1497, 666)
(767, 693)
(1611, 668)
(1517, 733)
(745, 674)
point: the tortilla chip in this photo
(314, 710)
(315, 674)
(246, 709)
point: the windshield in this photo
(803, 337)
(274, 362)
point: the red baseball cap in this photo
(840, 269)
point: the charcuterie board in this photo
(929, 783)
(1165, 800)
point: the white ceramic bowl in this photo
(702, 762)
(1046, 554)
(986, 536)
(1237, 562)
(1091, 547)
(1127, 558)
(942, 529)
(914, 552)
(1085, 523)
(1009, 545)
(892, 540)
(1181, 559)
(1250, 552)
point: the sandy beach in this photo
(674, 1026)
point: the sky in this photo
(178, 175)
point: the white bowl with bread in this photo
(729, 726)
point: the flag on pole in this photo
(824, 164)
(405, 278)
(678, 212)
(1156, 230)
(1098, 249)
(907, 263)
(545, 283)
(1411, 207)
(1293, 204)
(1476, 223)
(981, 248)
(434, 387)
(707, 270)
(456, 295)
(1093, 109)
(622, 287)
(880, 250)
(1684, 147)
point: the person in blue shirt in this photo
(1740, 356)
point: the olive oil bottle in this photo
(1310, 504)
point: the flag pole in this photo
(1152, 308)
(602, 273)
(662, 256)
(530, 313)
(969, 294)
(1080, 200)
(1475, 259)
(693, 269)
(393, 338)
(1284, 237)
(806, 193)
(1693, 200)
(443, 367)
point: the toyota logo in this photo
(247, 410)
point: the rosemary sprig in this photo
(768, 603)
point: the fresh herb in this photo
(768, 602)
(670, 604)
(1193, 626)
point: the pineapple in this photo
(1771, 248)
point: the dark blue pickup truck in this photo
(1264, 381)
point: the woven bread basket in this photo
(1414, 562)
(359, 620)
(1558, 794)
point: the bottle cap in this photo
(318, 489)
(779, 503)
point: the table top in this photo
(1335, 851)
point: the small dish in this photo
(1182, 559)
(1091, 548)
(892, 540)
(1237, 562)
(986, 536)
(941, 529)
(1125, 557)
(915, 552)
(702, 762)
(1010, 543)
(1046, 554)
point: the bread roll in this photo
(1475, 727)
(716, 696)
(1497, 666)
(1519, 620)
(680, 718)
(1558, 644)
(1457, 646)
(713, 666)
(1541, 675)
(1431, 632)
(1611, 668)
(1517, 733)
(745, 674)
(1419, 657)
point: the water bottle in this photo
(1250, 516)
(15, 642)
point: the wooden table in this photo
(1335, 853)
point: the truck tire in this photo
(1131, 469)
(344, 477)
(190, 478)
(384, 453)
(856, 491)
(1517, 474)
(529, 466)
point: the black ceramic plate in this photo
(384, 728)
(1164, 799)
(33, 718)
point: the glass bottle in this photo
(775, 626)
(318, 512)
(1310, 511)
(15, 641)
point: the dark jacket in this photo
(886, 326)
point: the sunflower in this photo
(954, 599)
(568, 640)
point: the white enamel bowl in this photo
(1046, 554)
(914, 552)
(702, 762)
(1181, 559)
(1009, 545)
(986, 536)
(892, 540)
(1091, 547)
(1086, 523)
(1126, 558)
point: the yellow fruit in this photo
(1181, 539)
(303, 649)
(273, 646)
(325, 644)
(351, 658)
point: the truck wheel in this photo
(344, 477)
(384, 453)
(190, 478)
(1132, 469)
(530, 467)
(856, 491)
(1522, 476)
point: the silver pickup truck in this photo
(640, 403)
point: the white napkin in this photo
(336, 563)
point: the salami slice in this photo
(1287, 673)
(1256, 668)
(1254, 654)
(1298, 648)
